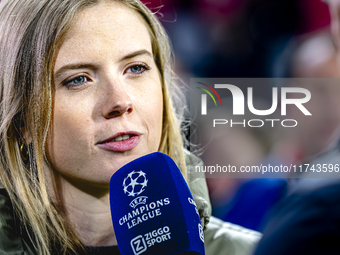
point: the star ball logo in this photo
(134, 184)
(239, 105)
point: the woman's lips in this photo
(120, 142)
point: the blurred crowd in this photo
(257, 38)
(236, 38)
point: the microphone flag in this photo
(153, 211)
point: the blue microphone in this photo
(153, 211)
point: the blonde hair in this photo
(30, 33)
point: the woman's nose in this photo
(118, 102)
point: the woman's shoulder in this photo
(226, 238)
(11, 237)
(198, 187)
(10, 241)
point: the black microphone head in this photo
(153, 211)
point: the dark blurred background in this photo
(236, 38)
(256, 38)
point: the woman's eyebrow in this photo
(136, 53)
(94, 67)
(73, 67)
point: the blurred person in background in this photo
(310, 56)
(307, 221)
(247, 202)
(244, 39)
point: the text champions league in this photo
(143, 213)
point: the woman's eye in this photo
(78, 81)
(137, 69)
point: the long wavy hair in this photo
(31, 32)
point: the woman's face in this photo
(107, 102)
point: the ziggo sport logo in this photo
(238, 105)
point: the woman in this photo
(85, 89)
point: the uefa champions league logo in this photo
(134, 184)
